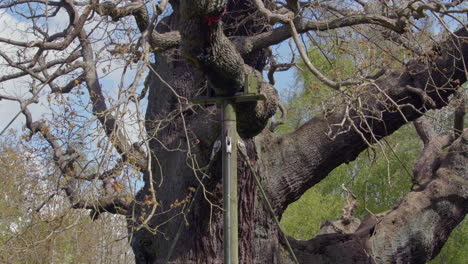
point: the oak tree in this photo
(62, 51)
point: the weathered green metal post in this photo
(229, 139)
(231, 242)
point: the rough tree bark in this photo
(412, 232)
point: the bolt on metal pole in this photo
(230, 243)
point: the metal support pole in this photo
(229, 143)
(230, 243)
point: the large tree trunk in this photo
(182, 139)
(201, 238)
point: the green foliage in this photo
(303, 218)
(378, 184)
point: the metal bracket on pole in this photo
(228, 145)
(249, 94)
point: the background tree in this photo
(39, 226)
(61, 51)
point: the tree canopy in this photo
(105, 92)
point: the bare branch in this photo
(25, 70)
(69, 34)
(396, 22)
(280, 121)
(111, 173)
(425, 99)
(311, 67)
(69, 86)
(113, 130)
(272, 17)
(65, 161)
(274, 66)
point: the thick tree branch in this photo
(164, 41)
(413, 231)
(248, 44)
(460, 111)
(418, 227)
(301, 159)
(159, 41)
(424, 130)
(72, 31)
(113, 130)
(430, 154)
(136, 8)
